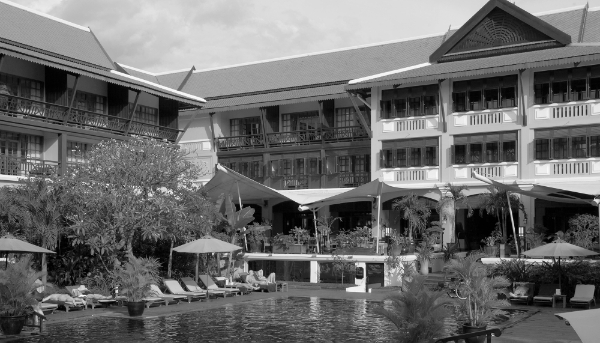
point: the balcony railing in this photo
(491, 170)
(567, 167)
(240, 142)
(294, 137)
(412, 174)
(411, 124)
(344, 134)
(37, 110)
(566, 110)
(353, 179)
(22, 166)
(295, 182)
(485, 117)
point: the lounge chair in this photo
(584, 295)
(522, 292)
(168, 298)
(265, 284)
(48, 308)
(91, 300)
(192, 286)
(65, 300)
(175, 288)
(546, 294)
(211, 285)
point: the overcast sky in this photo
(170, 35)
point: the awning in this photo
(575, 192)
(585, 324)
(305, 196)
(369, 191)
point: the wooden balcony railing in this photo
(295, 182)
(353, 179)
(37, 110)
(240, 142)
(294, 138)
(344, 134)
(22, 166)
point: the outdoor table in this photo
(564, 299)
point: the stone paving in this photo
(540, 327)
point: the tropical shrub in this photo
(135, 277)
(18, 282)
(583, 229)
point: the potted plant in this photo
(490, 242)
(481, 291)
(17, 285)
(281, 243)
(300, 236)
(424, 254)
(324, 225)
(415, 211)
(135, 278)
(255, 239)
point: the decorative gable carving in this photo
(498, 29)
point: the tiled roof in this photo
(513, 62)
(313, 69)
(592, 26)
(26, 27)
(568, 22)
(173, 79)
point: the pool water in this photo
(292, 319)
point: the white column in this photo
(315, 272)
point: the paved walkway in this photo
(540, 327)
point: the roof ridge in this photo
(45, 15)
(594, 9)
(172, 72)
(133, 68)
(322, 52)
(366, 78)
(560, 10)
(278, 90)
(180, 93)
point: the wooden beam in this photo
(132, 112)
(363, 100)
(521, 103)
(442, 114)
(1, 61)
(72, 99)
(359, 114)
(212, 130)
(187, 126)
(263, 114)
(321, 117)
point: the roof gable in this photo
(499, 27)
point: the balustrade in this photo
(486, 117)
(567, 168)
(344, 134)
(22, 166)
(240, 142)
(568, 110)
(412, 174)
(353, 179)
(294, 137)
(499, 170)
(295, 182)
(411, 124)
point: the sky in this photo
(160, 36)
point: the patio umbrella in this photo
(585, 324)
(12, 245)
(559, 248)
(205, 245)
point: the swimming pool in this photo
(293, 319)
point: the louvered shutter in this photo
(383, 159)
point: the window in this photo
(595, 146)
(386, 109)
(245, 126)
(579, 147)
(344, 164)
(400, 107)
(431, 156)
(481, 94)
(344, 117)
(286, 167)
(560, 148)
(489, 148)
(361, 163)
(256, 169)
(313, 166)
(90, 102)
(145, 114)
(415, 157)
(559, 91)
(22, 145)
(491, 98)
(299, 168)
(409, 102)
(401, 158)
(77, 151)
(475, 103)
(24, 88)
(576, 84)
(459, 102)
(300, 121)
(578, 90)
(386, 158)
(542, 92)
(414, 107)
(595, 88)
(542, 149)
(508, 97)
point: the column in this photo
(62, 152)
(315, 272)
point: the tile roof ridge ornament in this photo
(193, 97)
(45, 15)
(367, 78)
(356, 47)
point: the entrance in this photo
(375, 277)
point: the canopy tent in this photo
(585, 324)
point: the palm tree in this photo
(446, 207)
(496, 203)
(415, 211)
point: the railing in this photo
(411, 124)
(412, 174)
(294, 137)
(353, 179)
(240, 142)
(568, 110)
(295, 182)
(22, 166)
(31, 109)
(485, 117)
(344, 134)
(490, 170)
(563, 167)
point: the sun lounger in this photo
(546, 294)
(192, 286)
(65, 300)
(584, 295)
(211, 285)
(168, 298)
(48, 308)
(175, 288)
(522, 292)
(91, 300)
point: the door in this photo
(9, 161)
(375, 277)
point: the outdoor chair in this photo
(545, 294)
(175, 288)
(168, 298)
(67, 301)
(91, 300)
(584, 295)
(193, 286)
(522, 292)
(211, 285)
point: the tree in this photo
(446, 207)
(126, 191)
(415, 211)
(496, 203)
(583, 229)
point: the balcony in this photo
(294, 138)
(240, 142)
(344, 134)
(295, 182)
(503, 170)
(18, 107)
(353, 179)
(425, 174)
(411, 123)
(22, 166)
(576, 109)
(485, 117)
(567, 168)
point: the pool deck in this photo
(542, 326)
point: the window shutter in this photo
(368, 163)
(436, 156)
(452, 160)
(275, 167)
(305, 166)
(336, 164)
(260, 168)
(383, 159)
(234, 166)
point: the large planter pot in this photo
(492, 251)
(505, 250)
(437, 247)
(396, 250)
(135, 309)
(411, 248)
(424, 267)
(469, 329)
(12, 325)
(279, 249)
(297, 249)
(254, 247)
